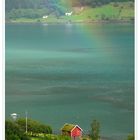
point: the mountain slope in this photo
(95, 9)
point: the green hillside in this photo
(83, 10)
(107, 12)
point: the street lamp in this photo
(14, 116)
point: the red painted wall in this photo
(76, 132)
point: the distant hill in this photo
(59, 5)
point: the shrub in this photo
(131, 137)
(14, 132)
(115, 4)
(34, 126)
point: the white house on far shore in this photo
(69, 14)
(45, 17)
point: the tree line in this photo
(33, 4)
(94, 3)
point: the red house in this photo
(71, 130)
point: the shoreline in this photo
(73, 22)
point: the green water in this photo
(73, 74)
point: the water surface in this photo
(73, 74)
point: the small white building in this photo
(44, 17)
(69, 14)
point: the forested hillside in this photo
(54, 4)
(37, 8)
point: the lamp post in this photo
(26, 117)
(15, 115)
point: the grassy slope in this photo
(51, 137)
(121, 11)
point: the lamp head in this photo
(14, 116)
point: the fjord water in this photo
(72, 74)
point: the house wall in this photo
(76, 132)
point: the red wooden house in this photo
(71, 130)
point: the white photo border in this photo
(2, 70)
(137, 70)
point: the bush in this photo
(14, 132)
(115, 4)
(34, 126)
(103, 17)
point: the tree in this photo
(95, 130)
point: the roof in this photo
(69, 127)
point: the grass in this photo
(120, 11)
(59, 138)
(35, 138)
(51, 137)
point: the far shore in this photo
(35, 21)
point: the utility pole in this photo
(26, 113)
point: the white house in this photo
(69, 14)
(45, 17)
